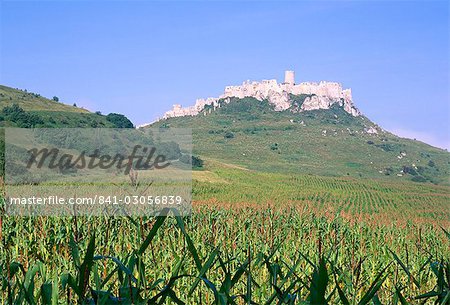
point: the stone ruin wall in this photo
(325, 95)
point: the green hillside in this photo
(19, 108)
(32, 101)
(248, 133)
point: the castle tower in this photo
(289, 77)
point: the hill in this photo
(19, 108)
(33, 101)
(329, 142)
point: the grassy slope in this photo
(342, 151)
(33, 102)
(54, 114)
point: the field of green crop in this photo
(253, 238)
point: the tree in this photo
(119, 120)
(55, 98)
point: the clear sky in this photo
(140, 57)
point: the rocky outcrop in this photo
(320, 96)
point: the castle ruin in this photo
(321, 95)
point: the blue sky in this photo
(140, 57)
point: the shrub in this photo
(228, 135)
(12, 110)
(23, 119)
(119, 120)
(195, 161)
(409, 170)
(385, 147)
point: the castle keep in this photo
(322, 95)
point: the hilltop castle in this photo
(320, 96)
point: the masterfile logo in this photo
(97, 171)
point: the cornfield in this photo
(220, 255)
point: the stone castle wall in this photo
(325, 95)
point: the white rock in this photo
(371, 130)
(324, 95)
